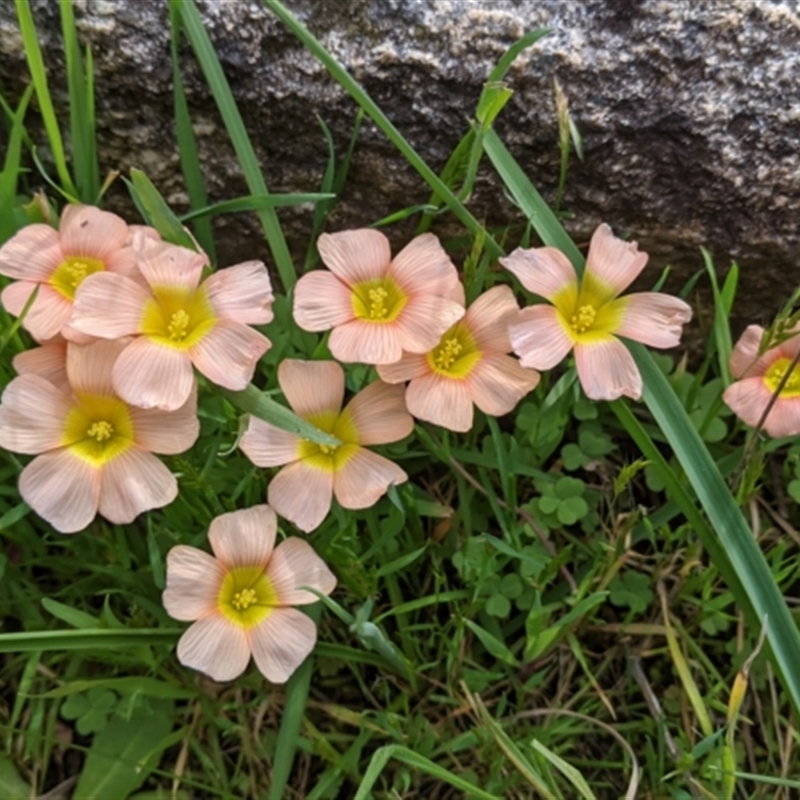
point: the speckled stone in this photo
(690, 113)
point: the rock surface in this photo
(690, 113)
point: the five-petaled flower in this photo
(96, 450)
(377, 306)
(301, 492)
(759, 377)
(58, 261)
(588, 315)
(468, 366)
(178, 321)
(240, 599)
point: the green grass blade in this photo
(255, 202)
(187, 145)
(100, 639)
(371, 108)
(158, 212)
(33, 53)
(217, 82)
(11, 170)
(722, 328)
(83, 141)
(383, 755)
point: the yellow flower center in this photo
(177, 317)
(69, 274)
(98, 429)
(330, 458)
(379, 300)
(589, 313)
(774, 375)
(246, 596)
(456, 354)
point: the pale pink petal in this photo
(88, 231)
(294, 564)
(244, 538)
(33, 413)
(423, 321)
(365, 478)
(614, 262)
(194, 579)
(227, 355)
(150, 375)
(355, 256)
(281, 643)
(216, 646)
(301, 494)
(32, 254)
(784, 418)
(164, 264)
(442, 401)
(538, 337)
(545, 271)
(109, 305)
(455, 291)
(498, 383)
(365, 342)
(653, 319)
(488, 318)
(47, 316)
(322, 301)
(748, 399)
(90, 366)
(48, 361)
(379, 414)
(268, 446)
(607, 370)
(311, 387)
(410, 366)
(133, 482)
(166, 432)
(61, 488)
(744, 358)
(424, 267)
(242, 293)
(71, 334)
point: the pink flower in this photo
(96, 451)
(177, 322)
(241, 597)
(469, 365)
(301, 492)
(588, 316)
(57, 261)
(378, 307)
(759, 377)
(48, 361)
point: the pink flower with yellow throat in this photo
(588, 315)
(240, 599)
(759, 378)
(177, 322)
(468, 366)
(302, 491)
(377, 306)
(95, 452)
(87, 241)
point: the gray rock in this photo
(690, 113)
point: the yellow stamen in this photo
(379, 300)
(179, 322)
(244, 599)
(71, 272)
(377, 303)
(100, 431)
(774, 375)
(447, 353)
(325, 457)
(583, 320)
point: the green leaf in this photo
(567, 770)
(498, 605)
(255, 202)
(492, 644)
(12, 787)
(259, 405)
(101, 638)
(631, 589)
(159, 213)
(120, 760)
(72, 616)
